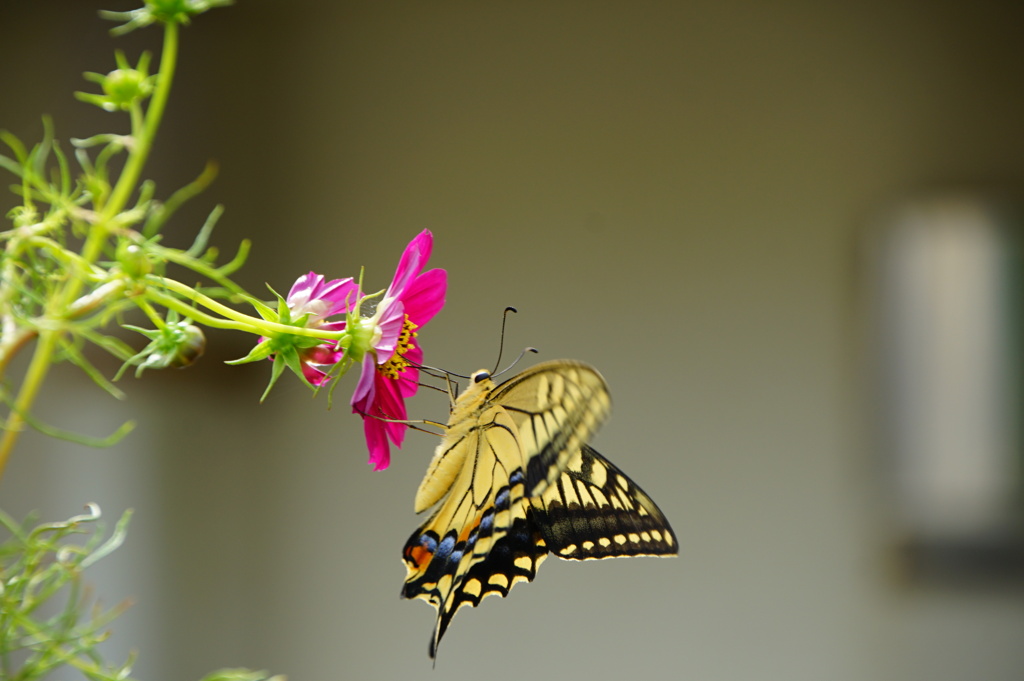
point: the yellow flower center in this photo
(397, 363)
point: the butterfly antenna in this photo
(501, 341)
(518, 359)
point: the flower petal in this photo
(333, 326)
(391, 405)
(302, 290)
(425, 296)
(377, 443)
(342, 294)
(362, 398)
(409, 378)
(314, 375)
(322, 354)
(391, 322)
(310, 295)
(414, 257)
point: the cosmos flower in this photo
(390, 362)
(311, 296)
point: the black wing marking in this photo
(512, 559)
(593, 510)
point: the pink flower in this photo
(311, 296)
(390, 372)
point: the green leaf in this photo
(75, 356)
(262, 309)
(10, 165)
(294, 362)
(87, 440)
(236, 263)
(112, 543)
(199, 244)
(275, 373)
(261, 351)
(42, 568)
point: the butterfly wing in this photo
(513, 556)
(556, 406)
(484, 502)
(593, 510)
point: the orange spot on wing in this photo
(464, 536)
(418, 555)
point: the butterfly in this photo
(513, 480)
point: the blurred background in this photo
(784, 232)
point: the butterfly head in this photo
(474, 395)
(480, 384)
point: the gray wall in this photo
(673, 192)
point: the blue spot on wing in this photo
(501, 499)
(429, 542)
(445, 547)
(523, 539)
(487, 521)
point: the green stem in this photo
(13, 342)
(34, 376)
(156, 319)
(241, 322)
(144, 141)
(172, 303)
(129, 177)
(47, 645)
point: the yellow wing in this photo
(515, 479)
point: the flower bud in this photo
(179, 11)
(123, 87)
(179, 344)
(133, 259)
(191, 344)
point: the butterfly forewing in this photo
(557, 407)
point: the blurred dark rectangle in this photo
(979, 561)
(947, 349)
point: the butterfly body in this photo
(514, 479)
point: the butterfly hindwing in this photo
(593, 510)
(512, 559)
(484, 501)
